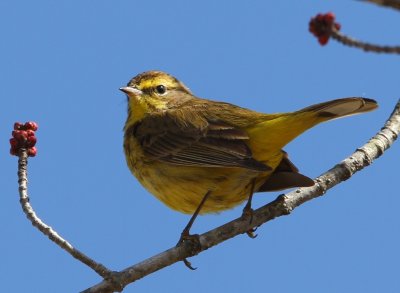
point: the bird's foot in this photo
(247, 215)
(193, 241)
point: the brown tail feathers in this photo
(342, 107)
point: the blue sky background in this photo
(62, 63)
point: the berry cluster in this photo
(321, 26)
(23, 136)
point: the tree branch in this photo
(281, 206)
(348, 41)
(45, 229)
(395, 4)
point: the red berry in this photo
(31, 125)
(23, 136)
(329, 17)
(30, 132)
(323, 40)
(32, 152)
(17, 125)
(13, 142)
(322, 26)
(31, 141)
(20, 135)
(14, 151)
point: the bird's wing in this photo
(189, 138)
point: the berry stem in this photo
(346, 40)
(44, 228)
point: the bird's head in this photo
(154, 91)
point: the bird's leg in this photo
(248, 211)
(193, 238)
(185, 233)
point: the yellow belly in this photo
(182, 188)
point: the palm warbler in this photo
(182, 148)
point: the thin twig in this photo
(395, 4)
(346, 40)
(281, 206)
(45, 229)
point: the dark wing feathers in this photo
(215, 144)
(285, 176)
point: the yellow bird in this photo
(193, 153)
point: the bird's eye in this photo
(161, 89)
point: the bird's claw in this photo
(247, 215)
(188, 264)
(251, 234)
(193, 241)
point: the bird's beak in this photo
(130, 91)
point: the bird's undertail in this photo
(286, 175)
(287, 126)
(270, 136)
